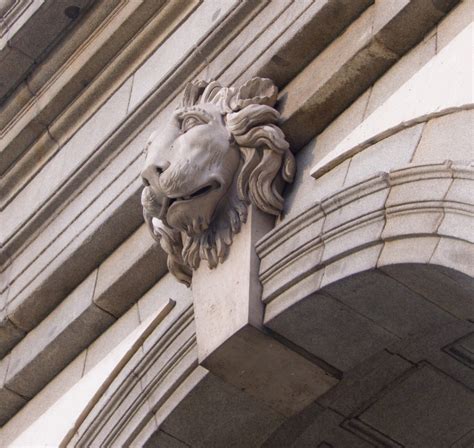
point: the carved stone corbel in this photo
(221, 150)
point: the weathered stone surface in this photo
(10, 402)
(73, 265)
(10, 334)
(181, 42)
(439, 91)
(132, 269)
(402, 71)
(447, 138)
(327, 431)
(67, 161)
(298, 47)
(44, 352)
(455, 254)
(36, 407)
(388, 303)
(442, 347)
(408, 251)
(217, 414)
(109, 339)
(437, 287)
(458, 19)
(407, 421)
(164, 440)
(361, 385)
(331, 331)
(391, 153)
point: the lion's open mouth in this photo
(202, 191)
(198, 193)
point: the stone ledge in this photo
(65, 333)
(56, 83)
(363, 56)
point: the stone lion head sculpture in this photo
(221, 150)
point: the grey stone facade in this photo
(345, 321)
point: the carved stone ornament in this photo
(221, 150)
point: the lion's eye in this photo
(190, 121)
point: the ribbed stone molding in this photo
(420, 214)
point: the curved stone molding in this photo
(133, 398)
(221, 150)
(417, 214)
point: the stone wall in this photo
(366, 276)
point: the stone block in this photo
(361, 385)
(110, 338)
(401, 221)
(331, 331)
(67, 161)
(408, 250)
(432, 283)
(407, 421)
(328, 87)
(296, 47)
(456, 224)
(292, 271)
(439, 90)
(409, 23)
(179, 44)
(10, 334)
(442, 347)
(358, 202)
(166, 288)
(300, 235)
(279, 15)
(401, 72)
(304, 192)
(292, 428)
(50, 22)
(387, 303)
(216, 414)
(133, 268)
(164, 440)
(10, 402)
(431, 189)
(87, 250)
(340, 128)
(14, 64)
(390, 153)
(279, 378)
(364, 259)
(455, 254)
(36, 407)
(450, 137)
(224, 65)
(460, 191)
(234, 300)
(353, 239)
(327, 431)
(44, 352)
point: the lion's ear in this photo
(255, 91)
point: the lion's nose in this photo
(152, 172)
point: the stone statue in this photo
(221, 150)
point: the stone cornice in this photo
(89, 57)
